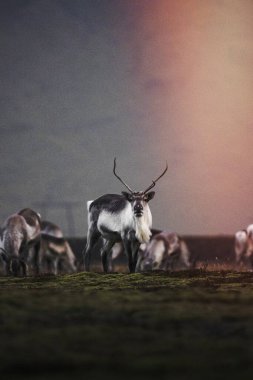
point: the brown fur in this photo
(18, 232)
(55, 251)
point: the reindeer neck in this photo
(143, 225)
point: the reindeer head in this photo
(32, 217)
(138, 199)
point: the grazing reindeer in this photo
(244, 247)
(18, 233)
(55, 251)
(165, 251)
(118, 250)
(241, 245)
(116, 218)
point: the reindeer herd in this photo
(121, 223)
(27, 242)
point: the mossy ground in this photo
(185, 325)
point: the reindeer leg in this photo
(135, 252)
(24, 267)
(128, 251)
(15, 266)
(110, 263)
(7, 263)
(105, 252)
(55, 265)
(134, 249)
(36, 258)
(23, 261)
(139, 261)
(48, 265)
(92, 238)
(248, 259)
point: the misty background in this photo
(145, 81)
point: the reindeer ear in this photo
(128, 196)
(149, 196)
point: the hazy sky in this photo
(147, 81)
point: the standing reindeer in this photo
(18, 233)
(116, 218)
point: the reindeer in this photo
(118, 250)
(241, 245)
(55, 252)
(18, 233)
(244, 247)
(249, 250)
(116, 218)
(165, 251)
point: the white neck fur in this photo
(142, 227)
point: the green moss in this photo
(185, 324)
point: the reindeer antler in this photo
(154, 182)
(114, 172)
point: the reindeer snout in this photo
(138, 209)
(147, 265)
